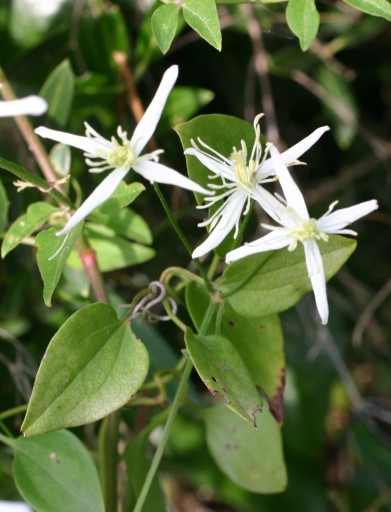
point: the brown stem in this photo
(91, 267)
(261, 69)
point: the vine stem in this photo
(182, 237)
(166, 433)
(179, 395)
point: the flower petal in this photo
(77, 141)
(153, 171)
(339, 219)
(102, 192)
(211, 163)
(145, 128)
(292, 154)
(291, 191)
(274, 240)
(314, 263)
(230, 215)
(30, 105)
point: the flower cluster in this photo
(242, 180)
(241, 177)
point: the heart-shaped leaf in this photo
(92, 366)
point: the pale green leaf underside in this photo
(380, 8)
(251, 457)
(92, 366)
(37, 214)
(56, 472)
(303, 19)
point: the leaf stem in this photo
(166, 433)
(13, 412)
(172, 414)
(182, 237)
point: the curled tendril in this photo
(157, 293)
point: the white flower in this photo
(241, 175)
(297, 226)
(124, 154)
(30, 105)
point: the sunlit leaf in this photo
(37, 214)
(92, 366)
(202, 17)
(375, 7)
(164, 25)
(303, 19)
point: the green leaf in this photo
(58, 90)
(56, 472)
(202, 17)
(112, 252)
(92, 367)
(37, 214)
(51, 267)
(223, 372)
(222, 133)
(127, 223)
(380, 8)
(4, 204)
(273, 281)
(164, 24)
(101, 36)
(123, 196)
(251, 457)
(341, 108)
(258, 341)
(27, 176)
(303, 19)
(60, 157)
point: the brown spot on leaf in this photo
(276, 402)
(231, 323)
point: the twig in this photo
(261, 69)
(368, 312)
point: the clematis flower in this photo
(242, 174)
(122, 154)
(297, 226)
(30, 105)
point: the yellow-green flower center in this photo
(122, 156)
(306, 230)
(243, 172)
